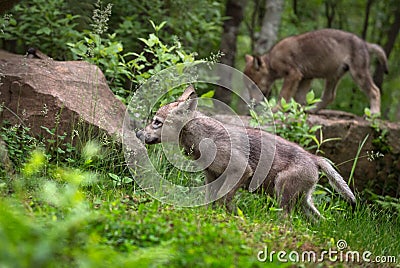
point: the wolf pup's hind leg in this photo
(298, 181)
(308, 206)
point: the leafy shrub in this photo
(58, 230)
(126, 71)
(19, 142)
(198, 24)
(290, 121)
(387, 203)
(106, 54)
(380, 139)
(45, 24)
(155, 57)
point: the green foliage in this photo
(5, 22)
(57, 145)
(56, 231)
(50, 25)
(61, 222)
(36, 162)
(360, 146)
(60, 39)
(19, 142)
(106, 53)
(171, 173)
(380, 140)
(88, 212)
(73, 201)
(290, 121)
(197, 24)
(387, 203)
(203, 25)
(100, 18)
(135, 68)
(157, 55)
(46, 25)
(354, 227)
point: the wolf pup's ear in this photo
(249, 58)
(189, 93)
(188, 100)
(257, 62)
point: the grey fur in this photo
(326, 54)
(233, 156)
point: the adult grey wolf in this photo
(326, 54)
(234, 155)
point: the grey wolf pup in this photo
(326, 54)
(236, 155)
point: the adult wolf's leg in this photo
(304, 87)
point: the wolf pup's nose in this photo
(140, 135)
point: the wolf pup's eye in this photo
(157, 123)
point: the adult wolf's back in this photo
(327, 54)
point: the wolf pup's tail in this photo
(336, 181)
(381, 55)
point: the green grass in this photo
(83, 209)
(66, 216)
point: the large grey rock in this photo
(66, 96)
(380, 173)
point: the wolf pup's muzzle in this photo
(140, 135)
(147, 138)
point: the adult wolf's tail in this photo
(380, 53)
(336, 181)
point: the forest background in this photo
(71, 201)
(206, 28)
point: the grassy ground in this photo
(54, 215)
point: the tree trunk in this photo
(363, 36)
(255, 18)
(330, 11)
(294, 6)
(270, 26)
(392, 35)
(366, 19)
(234, 12)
